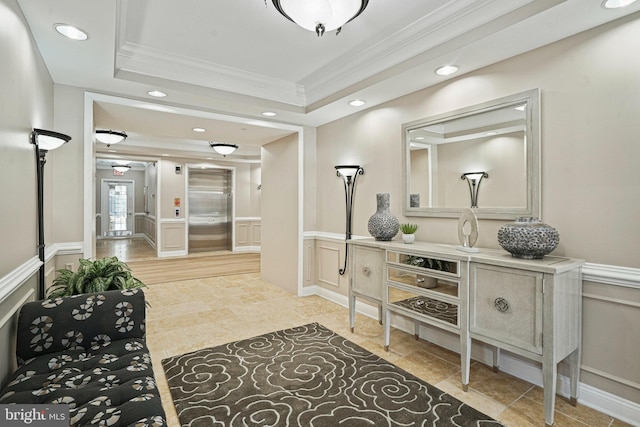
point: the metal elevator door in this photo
(210, 202)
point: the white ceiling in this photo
(224, 62)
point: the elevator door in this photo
(210, 201)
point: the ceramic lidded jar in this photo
(382, 224)
(528, 238)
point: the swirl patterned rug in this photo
(302, 377)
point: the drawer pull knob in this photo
(501, 304)
(366, 271)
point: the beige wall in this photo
(26, 102)
(279, 243)
(589, 98)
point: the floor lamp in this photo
(44, 141)
(349, 173)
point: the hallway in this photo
(126, 249)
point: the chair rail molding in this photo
(611, 275)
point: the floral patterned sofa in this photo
(87, 351)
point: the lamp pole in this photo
(44, 140)
(349, 173)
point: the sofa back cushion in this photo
(83, 322)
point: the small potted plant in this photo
(408, 232)
(94, 276)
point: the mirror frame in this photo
(532, 134)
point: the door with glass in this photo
(117, 208)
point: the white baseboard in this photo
(600, 400)
(169, 254)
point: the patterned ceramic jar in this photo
(528, 238)
(383, 225)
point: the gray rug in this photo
(305, 376)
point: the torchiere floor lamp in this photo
(44, 141)
(349, 173)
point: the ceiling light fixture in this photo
(357, 102)
(224, 149)
(110, 136)
(320, 15)
(69, 31)
(615, 4)
(446, 70)
(157, 93)
(269, 114)
(121, 168)
(200, 130)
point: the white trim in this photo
(12, 280)
(611, 275)
(247, 249)
(169, 254)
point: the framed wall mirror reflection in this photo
(485, 157)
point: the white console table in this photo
(531, 308)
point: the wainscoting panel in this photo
(9, 309)
(173, 236)
(611, 343)
(328, 264)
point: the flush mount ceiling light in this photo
(157, 93)
(121, 168)
(446, 70)
(357, 102)
(224, 149)
(110, 136)
(320, 15)
(615, 4)
(69, 31)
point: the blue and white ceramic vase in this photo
(528, 238)
(382, 224)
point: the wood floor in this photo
(142, 260)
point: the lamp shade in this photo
(49, 140)
(320, 15)
(224, 149)
(110, 136)
(347, 171)
(475, 176)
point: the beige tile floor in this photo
(194, 314)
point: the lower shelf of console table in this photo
(531, 308)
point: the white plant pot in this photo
(408, 238)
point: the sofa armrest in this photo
(82, 322)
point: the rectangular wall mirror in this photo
(485, 157)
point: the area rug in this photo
(303, 377)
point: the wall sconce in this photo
(349, 173)
(224, 149)
(44, 141)
(110, 136)
(474, 179)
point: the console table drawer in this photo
(506, 306)
(368, 271)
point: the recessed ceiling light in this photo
(71, 32)
(491, 133)
(268, 114)
(615, 4)
(446, 70)
(157, 93)
(199, 129)
(357, 102)
(420, 138)
(165, 155)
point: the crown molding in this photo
(142, 60)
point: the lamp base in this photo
(467, 249)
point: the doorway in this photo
(117, 206)
(210, 201)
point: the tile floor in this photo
(194, 314)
